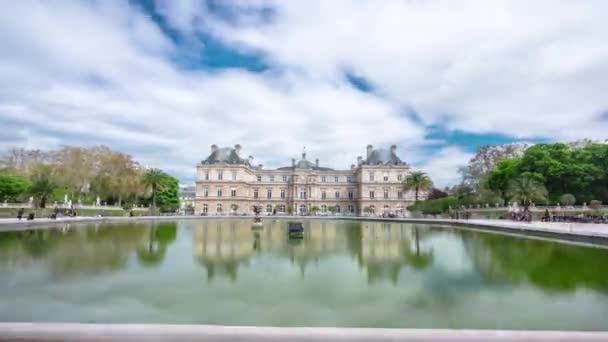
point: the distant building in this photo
(187, 196)
(226, 183)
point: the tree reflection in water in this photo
(160, 236)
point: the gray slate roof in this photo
(382, 156)
(225, 155)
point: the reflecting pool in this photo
(342, 273)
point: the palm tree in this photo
(417, 181)
(42, 186)
(153, 178)
(526, 189)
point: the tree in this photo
(168, 196)
(43, 184)
(154, 179)
(500, 178)
(527, 189)
(567, 199)
(13, 187)
(417, 181)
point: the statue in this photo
(98, 202)
(5, 203)
(31, 201)
(65, 198)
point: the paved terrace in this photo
(159, 332)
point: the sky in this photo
(163, 80)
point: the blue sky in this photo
(163, 80)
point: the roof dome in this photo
(225, 155)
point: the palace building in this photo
(228, 184)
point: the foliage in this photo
(437, 206)
(526, 189)
(154, 179)
(168, 198)
(42, 184)
(13, 188)
(567, 199)
(417, 181)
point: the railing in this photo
(67, 206)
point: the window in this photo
(219, 193)
(385, 194)
(255, 194)
(219, 207)
(323, 180)
(348, 179)
(400, 194)
(371, 177)
(386, 177)
(284, 179)
(206, 175)
(259, 178)
(220, 175)
(269, 208)
(337, 194)
(269, 194)
(281, 208)
(351, 209)
(337, 208)
(399, 177)
(233, 193)
(323, 195)
(233, 175)
(371, 194)
(282, 193)
(303, 194)
(272, 179)
(336, 179)
(206, 192)
(323, 208)
(350, 195)
(205, 208)
(295, 178)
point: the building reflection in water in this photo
(382, 249)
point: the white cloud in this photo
(79, 72)
(443, 168)
(516, 67)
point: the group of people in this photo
(552, 217)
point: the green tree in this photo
(154, 180)
(500, 178)
(12, 188)
(42, 184)
(417, 181)
(168, 196)
(527, 189)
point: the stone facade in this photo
(227, 184)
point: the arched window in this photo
(351, 209)
(269, 208)
(234, 208)
(323, 208)
(205, 208)
(372, 209)
(219, 208)
(302, 209)
(338, 208)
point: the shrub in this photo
(567, 199)
(595, 204)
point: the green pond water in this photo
(343, 273)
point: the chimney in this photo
(394, 149)
(369, 150)
(237, 149)
(317, 162)
(213, 148)
(293, 162)
(250, 160)
(359, 160)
